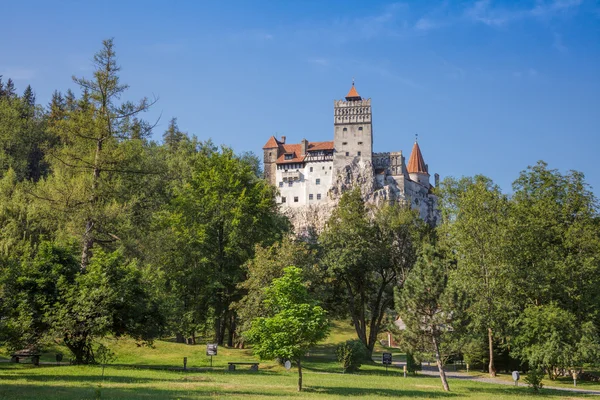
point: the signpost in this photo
(386, 360)
(516, 376)
(211, 350)
(287, 364)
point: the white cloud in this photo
(17, 73)
(425, 24)
(558, 43)
(319, 61)
(485, 12)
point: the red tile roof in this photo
(296, 151)
(272, 143)
(352, 93)
(314, 146)
(416, 164)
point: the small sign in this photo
(516, 375)
(387, 358)
(211, 349)
(287, 364)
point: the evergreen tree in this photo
(9, 89)
(173, 135)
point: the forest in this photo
(107, 232)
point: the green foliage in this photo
(111, 297)
(296, 325)
(215, 219)
(267, 264)
(351, 354)
(475, 229)
(412, 365)
(534, 379)
(365, 257)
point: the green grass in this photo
(322, 377)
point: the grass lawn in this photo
(322, 377)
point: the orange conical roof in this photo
(271, 143)
(416, 164)
(353, 94)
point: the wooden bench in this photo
(17, 356)
(253, 365)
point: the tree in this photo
(93, 159)
(110, 297)
(366, 257)
(296, 323)
(475, 229)
(429, 308)
(267, 264)
(173, 135)
(215, 218)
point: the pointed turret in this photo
(353, 94)
(417, 169)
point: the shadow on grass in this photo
(348, 391)
(72, 392)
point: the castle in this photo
(309, 174)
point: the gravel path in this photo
(433, 371)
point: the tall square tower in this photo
(353, 131)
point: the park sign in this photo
(387, 358)
(211, 349)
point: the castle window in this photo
(318, 182)
(280, 184)
(270, 154)
(345, 129)
(323, 167)
(289, 156)
(295, 199)
(360, 128)
(283, 199)
(310, 196)
(290, 183)
(347, 154)
(310, 169)
(359, 153)
(318, 196)
(359, 143)
(330, 167)
(344, 143)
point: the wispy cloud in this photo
(530, 72)
(558, 43)
(425, 24)
(319, 61)
(484, 11)
(18, 73)
(254, 35)
(165, 48)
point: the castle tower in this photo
(353, 132)
(417, 169)
(271, 151)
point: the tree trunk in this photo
(438, 361)
(492, 368)
(299, 376)
(231, 331)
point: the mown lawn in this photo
(322, 377)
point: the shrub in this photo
(534, 379)
(351, 354)
(412, 365)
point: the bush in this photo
(412, 365)
(351, 354)
(534, 379)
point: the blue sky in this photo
(489, 86)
